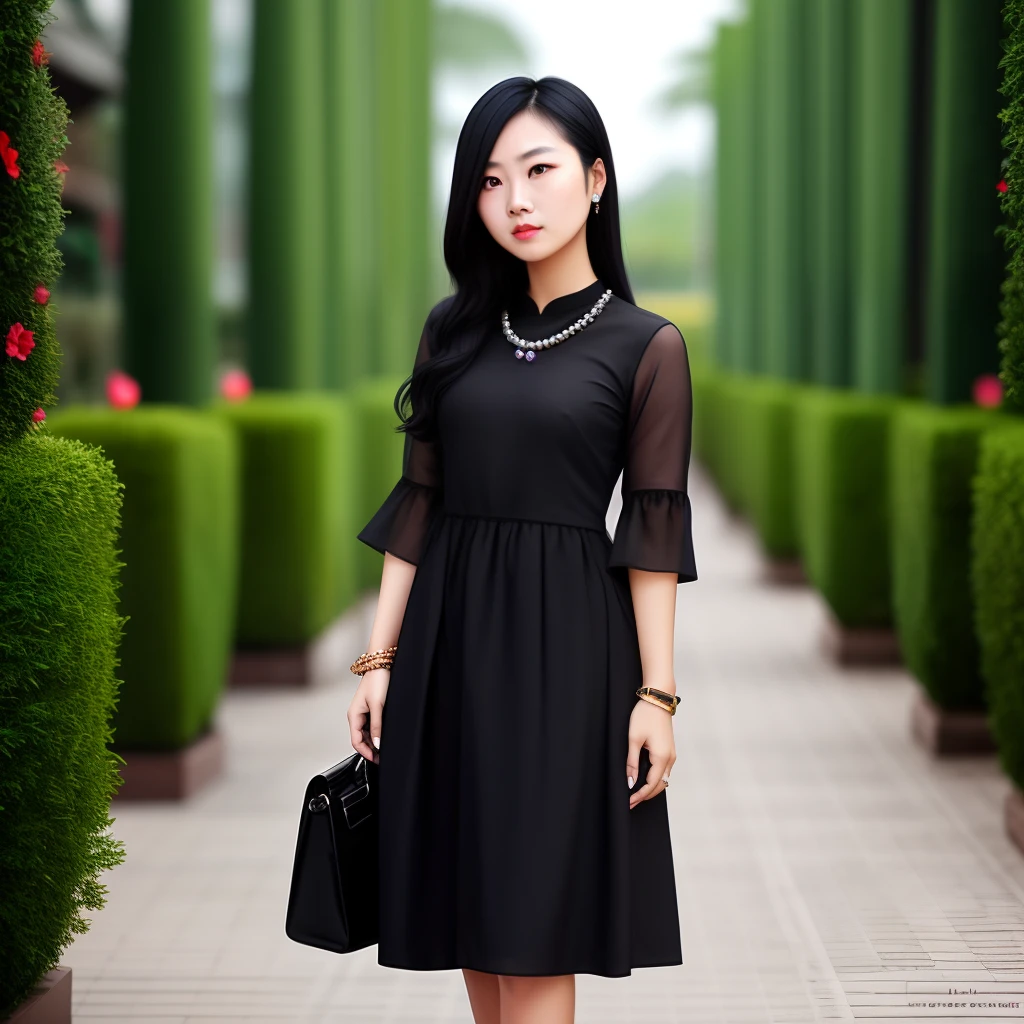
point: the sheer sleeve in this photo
(401, 523)
(654, 530)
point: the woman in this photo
(523, 823)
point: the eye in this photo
(483, 184)
(535, 166)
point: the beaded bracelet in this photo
(667, 701)
(373, 659)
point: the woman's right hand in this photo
(365, 711)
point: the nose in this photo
(518, 201)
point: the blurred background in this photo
(825, 197)
(653, 90)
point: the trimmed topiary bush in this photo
(1011, 327)
(298, 534)
(997, 583)
(934, 455)
(718, 397)
(765, 422)
(59, 633)
(842, 482)
(59, 506)
(179, 538)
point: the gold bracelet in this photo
(668, 701)
(373, 659)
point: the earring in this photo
(597, 202)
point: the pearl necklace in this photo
(529, 349)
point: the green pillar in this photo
(351, 197)
(726, 167)
(756, 360)
(744, 203)
(167, 171)
(966, 256)
(402, 30)
(286, 196)
(783, 245)
(831, 194)
(882, 33)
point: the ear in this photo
(598, 176)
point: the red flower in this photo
(41, 294)
(10, 156)
(19, 342)
(39, 55)
(123, 391)
(235, 385)
(62, 168)
(988, 390)
(38, 416)
(1002, 185)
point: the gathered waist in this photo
(600, 529)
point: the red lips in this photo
(525, 230)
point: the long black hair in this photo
(486, 276)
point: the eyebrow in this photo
(524, 156)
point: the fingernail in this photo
(629, 779)
(376, 742)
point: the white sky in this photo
(618, 53)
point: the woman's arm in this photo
(654, 604)
(653, 541)
(398, 529)
(364, 713)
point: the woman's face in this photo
(535, 177)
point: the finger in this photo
(357, 730)
(652, 784)
(633, 762)
(376, 710)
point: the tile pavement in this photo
(826, 869)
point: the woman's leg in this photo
(542, 1000)
(484, 998)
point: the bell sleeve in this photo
(654, 529)
(401, 523)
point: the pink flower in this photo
(61, 167)
(19, 342)
(235, 385)
(41, 294)
(38, 416)
(123, 391)
(39, 55)
(988, 390)
(1002, 186)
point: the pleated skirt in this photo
(507, 843)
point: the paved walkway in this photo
(827, 869)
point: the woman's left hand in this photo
(649, 727)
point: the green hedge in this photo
(179, 539)
(933, 458)
(841, 460)
(997, 584)
(379, 450)
(717, 397)
(59, 633)
(298, 486)
(764, 417)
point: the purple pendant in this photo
(530, 356)
(519, 353)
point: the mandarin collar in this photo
(522, 305)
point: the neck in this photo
(562, 273)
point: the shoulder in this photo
(646, 328)
(652, 337)
(439, 311)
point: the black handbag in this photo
(332, 903)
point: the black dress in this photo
(506, 840)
